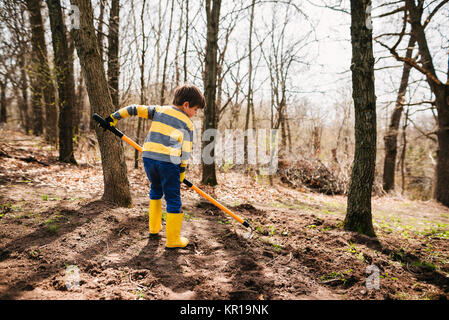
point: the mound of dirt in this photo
(248, 208)
(313, 175)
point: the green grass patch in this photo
(53, 223)
(386, 275)
(268, 231)
(425, 264)
(221, 221)
(53, 228)
(342, 276)
(46, 197)
(353, 250)
(5, 208)
(441, 230)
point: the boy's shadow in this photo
(162, 264)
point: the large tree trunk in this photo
(391, 135)
(43, 83)
(210, 113)
(442, 168)
(65, 80)
(113, 50)
(116, 184)
(37, 105)
(359, 217)
(441, 92)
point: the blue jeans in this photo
(164, 178)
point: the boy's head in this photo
(189, 98)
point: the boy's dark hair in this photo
(191, 94)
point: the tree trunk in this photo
(3, 113)
(404, 150)
(390, 138)
(289, 135)
(178, 46)
(250, 101)
(158, 48)
(27, 120)
(186, 41)
(442, 168)
(100, 34)
(87, 123)
(65, 80)
(43, 83)
(38, 107)
(441, 92)
(77, 108)
(210, 113)
(116, 184)
(359, 217)
(167, 48)
(283, 144)
(142, 80)
(113, 50)
(316, 141)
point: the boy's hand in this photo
(110, 120)
(182, 174)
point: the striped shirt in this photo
(171, 134)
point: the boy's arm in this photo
(186, 149)
(141, 111)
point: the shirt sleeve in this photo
(146, 112)
(186, 150)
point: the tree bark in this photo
(359, 217)
(77, 108)
(317, 141)
(250, 101)
(178, 46)
(116, 184)
(142, 78)
(37, 104)
(27, 120)
(404, 149)
(100, 34)
(390, 138)
(167, 48)
(210, 113)
(3, 113)
(43, 83)
(65, 80)
(186, 41)
(442, 168)
(113, 50)
(441, 92)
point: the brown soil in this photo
(52, 217)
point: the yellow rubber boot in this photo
(155, 213)
(173, 231)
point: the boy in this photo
(166, 152)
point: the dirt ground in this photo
(59, 240)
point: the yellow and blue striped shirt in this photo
(171, 134)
